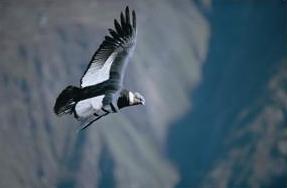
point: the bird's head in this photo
(135, 99)
(128, 98)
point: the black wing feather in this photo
(128, 16)
(118, 28)
(123, 21)
(114, 35)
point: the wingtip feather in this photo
(117, 26)
(123, 21)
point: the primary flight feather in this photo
(101, 87)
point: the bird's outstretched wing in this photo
(109, 61)
(89, 121)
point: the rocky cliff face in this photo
(235, 133)
(46, 46)
(255, 151)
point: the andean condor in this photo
(101, 89)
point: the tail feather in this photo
(67, 100)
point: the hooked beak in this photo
(139, 99)
(142, 101)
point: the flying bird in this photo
(101, 90)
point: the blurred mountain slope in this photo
(46, 45)
(255, 154)
(230, 136)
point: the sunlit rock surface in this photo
(46, 45)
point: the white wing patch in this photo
(88, 107)
(97, 73)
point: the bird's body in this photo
(101, 91)
(89, 106)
